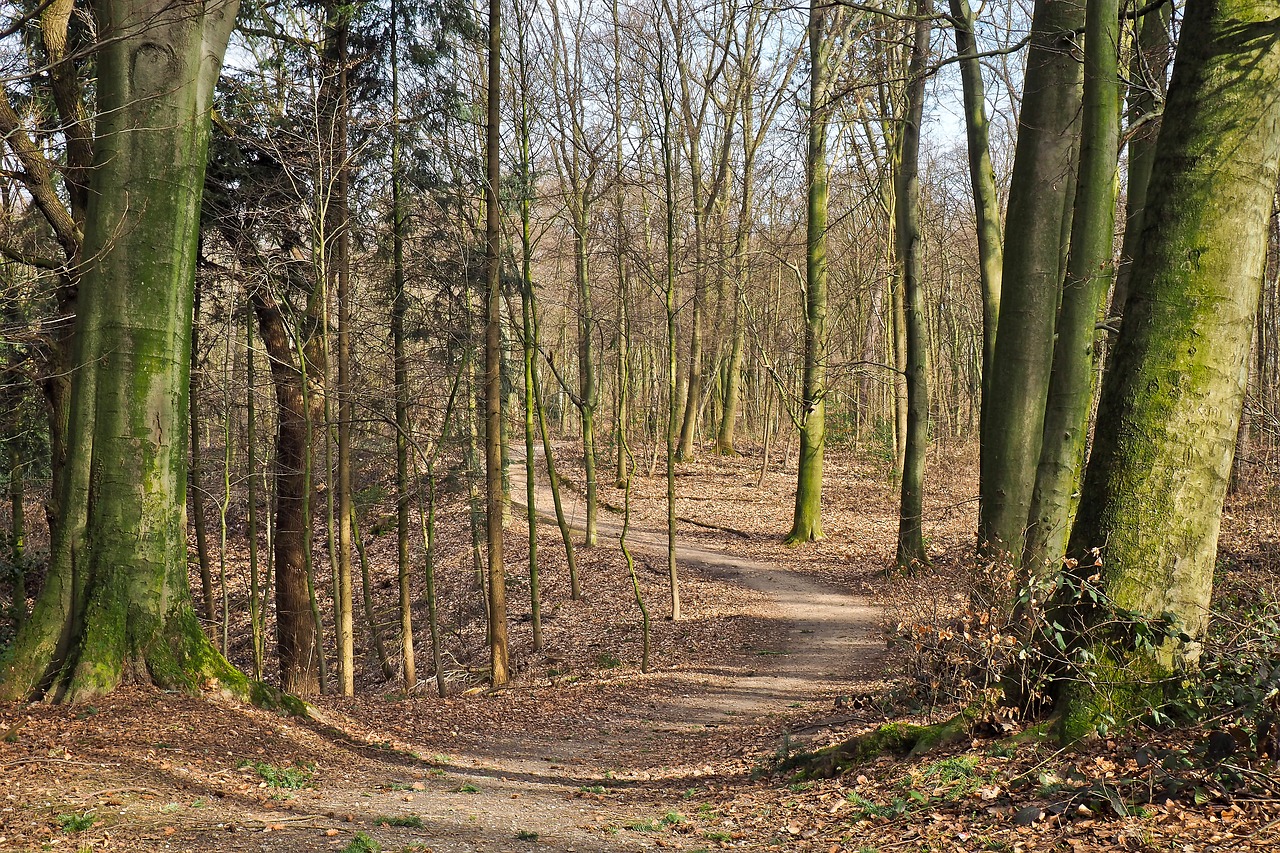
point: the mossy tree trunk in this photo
(1089, 275)
(911, 549)
(116, 604)
(1031, 279)
(806, 525)
(1172, 395)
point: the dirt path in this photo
(593, 766)
(819, 641)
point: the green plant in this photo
(643, 826)
(716, 835)
(287, 778)
(466, 788)
(604, 660)
(673, 818)
(526, 835)
(76, 822)
(362, 843)
(592, 789)
(898, 807)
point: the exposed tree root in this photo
(902, 739)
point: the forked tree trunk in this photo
(1153, 492)
(1031, 281)
(116, 603)
(1089, 273)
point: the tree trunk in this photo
(1153, 492)
(197, 491)
(298, 409)
(251, 444)
(494, 493)
(806, 523)
(400, 370)
(1148, 66)
(116, 602)
(911, 549)
(1042, 172)
(337, 251)
(986, 205)
(1089, 271)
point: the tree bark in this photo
(807, 519)
(911, 548)
(986, 204)
(116, 602)
(1089, 275)
(1031, 280)
(494, 494)
(1167, 420)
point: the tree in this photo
(1153, 491)
(493, 356)
(116, 603)
(1040, 194)
(1089, 275)
(806, 523)
(911, 549)
(982, 179)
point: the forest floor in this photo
(778, 651)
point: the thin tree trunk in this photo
(366, 594)
(807, 520)
(400, 369)
(1148, 65)
(911, 549)
(197, 491)
(251, 439)
(494, 494)
(986, 205)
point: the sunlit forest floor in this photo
(779, 651)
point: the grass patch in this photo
(286, 778)
(76, 822)
(363, 843)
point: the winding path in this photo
(822, 639)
